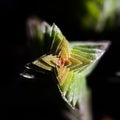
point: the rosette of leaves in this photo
(70, 62)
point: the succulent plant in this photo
(70, 62)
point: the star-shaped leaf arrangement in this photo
(70, 62)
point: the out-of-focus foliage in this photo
(99, 14)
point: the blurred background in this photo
(78, 20)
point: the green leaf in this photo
(93, 10)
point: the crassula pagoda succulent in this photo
(70, 62)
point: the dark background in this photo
(24, 99)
